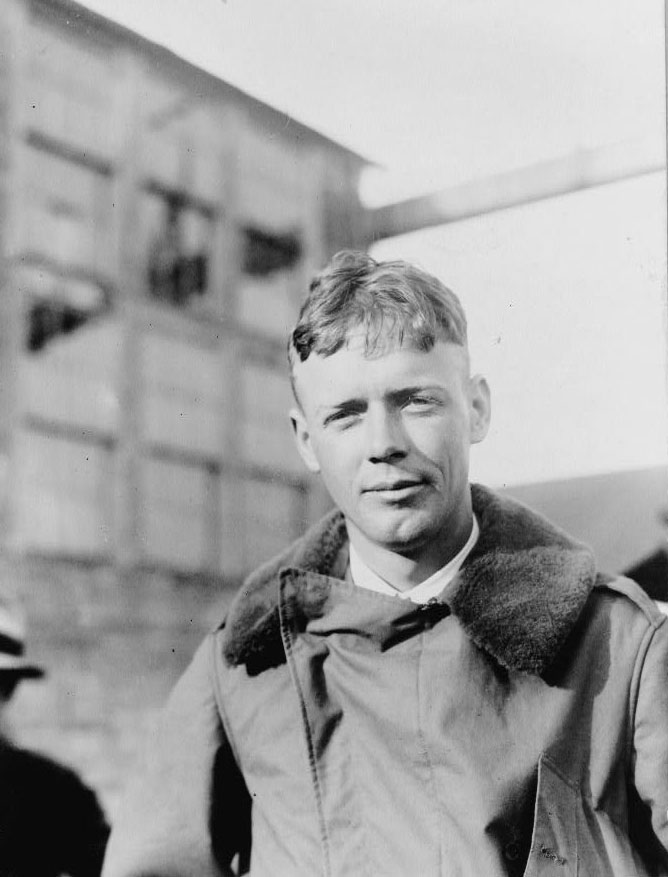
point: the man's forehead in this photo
(354, 366)
(373, 342)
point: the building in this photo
(158, 229)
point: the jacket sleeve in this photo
(649, 818)
(187, 812)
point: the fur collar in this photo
(518, 596)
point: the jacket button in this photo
(512, 851)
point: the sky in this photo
(436, 92)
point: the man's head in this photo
(387, 409)
(391, 303)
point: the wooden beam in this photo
(550, 179)
(13, 37)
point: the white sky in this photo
(437, 91)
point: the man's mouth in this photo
(403, 485)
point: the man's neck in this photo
(406, 570)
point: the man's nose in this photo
(386, 436)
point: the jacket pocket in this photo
(571, 838)
(554, 851)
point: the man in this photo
(50, 822)
(433, 680)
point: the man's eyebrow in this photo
(347, 405)
(403, 392)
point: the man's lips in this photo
(393, 486)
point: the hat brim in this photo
(19, 667)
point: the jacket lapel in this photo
(524, 586)
(252, 627)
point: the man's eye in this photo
(419, 401)
(342, 418)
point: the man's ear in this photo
(302, 436)
(481, 408)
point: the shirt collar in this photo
(364, 577)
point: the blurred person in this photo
(434, 679)
(51, 824)
(651, 573)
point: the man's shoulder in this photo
(518, 527)
(629, 599)
(47, 784)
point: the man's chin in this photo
(400, 533)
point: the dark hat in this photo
(12, 644)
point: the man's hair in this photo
(392, 303)
(9, 682)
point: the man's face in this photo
(390, 435)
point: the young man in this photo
(433, 680)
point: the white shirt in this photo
(364, 577)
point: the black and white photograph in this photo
(333, 438)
